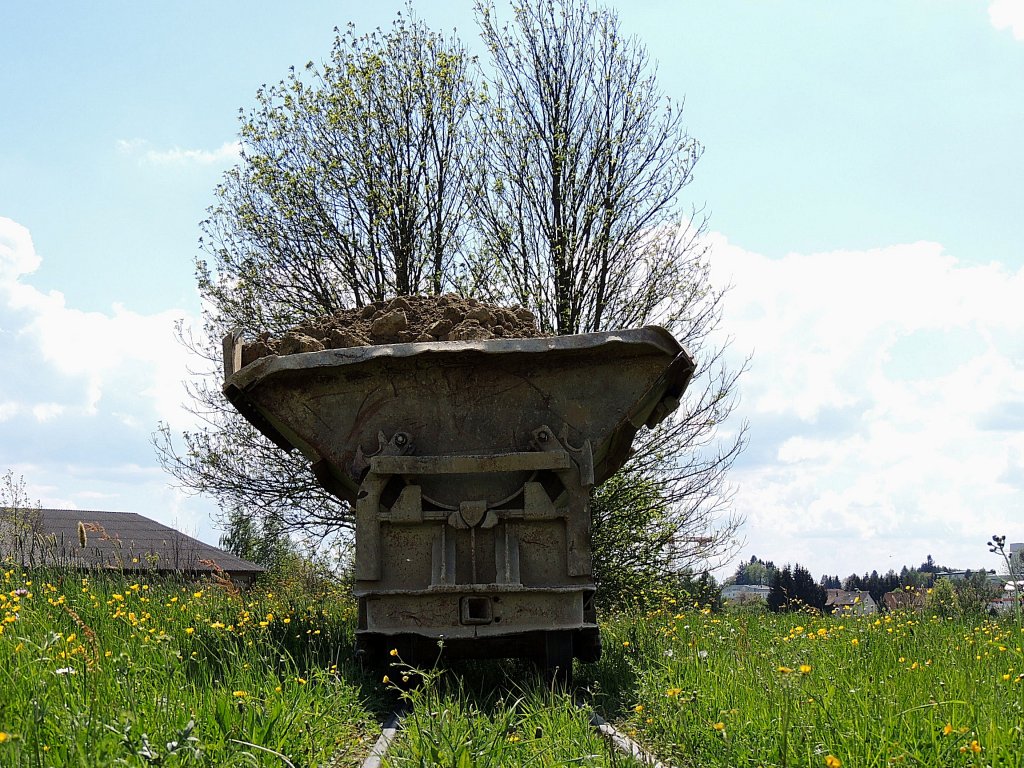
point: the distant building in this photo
(906, 599)
(122, 541)
(854, 602)
(745, 593)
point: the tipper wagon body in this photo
(469, 466)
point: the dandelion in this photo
(719, 726)
(785, 670)
(831, 761)
(3, 737)
(947, 729)
(805, 668)
(673, 692)
(855, 642)
(638, 708)
(240, 694)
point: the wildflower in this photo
(638, 708)
(673, 692)
(855, 641)
(302, 680)
(65, 671)
(197, 594)
(386, 680)
(831, 761)
(805, 668)
(3, 737)
(189, 630)
(625, 644)
(702, 654)
(719, 726)
(240, 694)
(947, 729)
(394, 651)
(1006, 677)
(785, 670)
(975, 747)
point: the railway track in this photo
(392, 727)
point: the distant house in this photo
(906, 599)
(854, 602)
(745, 593)
(124, 541)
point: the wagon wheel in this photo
(555, 661)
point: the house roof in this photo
(121, 540)
(844, 597)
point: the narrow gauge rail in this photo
(614, 737)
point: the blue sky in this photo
(864, 172)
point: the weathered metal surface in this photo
(469, 466)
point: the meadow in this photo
(111, 669)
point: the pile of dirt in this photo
(404, 319)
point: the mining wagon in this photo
(469, 467)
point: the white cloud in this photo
(882, 399)
(226, 153)
(103, 352)
(1008, 14)
(82, 392)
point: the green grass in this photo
(803, 690)
(107, 670)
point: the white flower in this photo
(669, 653)
(702, 654)
(65, 671)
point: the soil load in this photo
(404, 319)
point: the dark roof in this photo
(842, 597)
(121, 540)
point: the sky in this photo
(864, 176)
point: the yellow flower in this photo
(719, 726)
(785, 670)
(625, 644)
(805, 668)
(197, 594)
(302, 680)
(638, 708)
(947, 729)
(1006, 677)
(240, 694)
(855, 641)
(394, 651)
(831, 761)
(3, 737)
(673, 692)
(189, 630)
(386, 680)
(975, 747)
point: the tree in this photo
(756, 571)
(580, 217)
(793, 588)
(350, 188)
(20, 519)
(365, 184)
